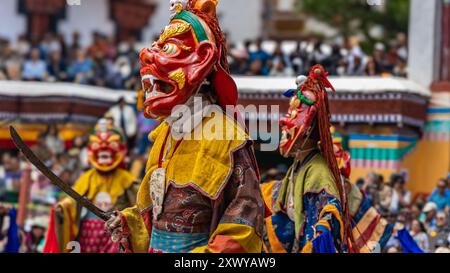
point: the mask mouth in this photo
(154, 87)
(104, 158)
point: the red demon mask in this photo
(184, 58)
(107, 148)
(299, 119)
(300, 123)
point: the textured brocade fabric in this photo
(313, 205)
(186, 210)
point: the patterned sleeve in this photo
(240, 227)
(323, 214)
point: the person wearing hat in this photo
(428, 216)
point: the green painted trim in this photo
(380, 153)
(304, 99)
(195, 23)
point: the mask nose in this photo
(147, 57)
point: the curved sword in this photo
(20, 144)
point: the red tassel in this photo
(51, 241)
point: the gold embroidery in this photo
(173, 30)
(179, 77)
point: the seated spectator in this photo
(57, 68)
(419, 234)
(256, 68)
(81, 68)
(34, 69)
(13, 70)
(441, 195)
(440, 235)
(428, 216)
(401, 198)
(262, 56)
(280, 69)
(239, 65)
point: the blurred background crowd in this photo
(425, 217)
(109, 63)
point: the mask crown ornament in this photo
(176, 6)
(190, 53)
(106, 147)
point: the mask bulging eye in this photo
(170, 49)
(95, 146)
(114, 145)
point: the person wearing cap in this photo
(428, 215)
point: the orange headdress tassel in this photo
(320, 82)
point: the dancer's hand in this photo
(115, 227)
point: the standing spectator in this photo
(34, 69)
(441, 195)
(124, 117)
(401, 198)
(419, 234)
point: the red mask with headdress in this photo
(308, 118)
(107, 148)
(189, 53)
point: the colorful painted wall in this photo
(423, 160)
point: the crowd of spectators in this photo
(345, 59)
(104, 63)
(115, 64)
(426, 218)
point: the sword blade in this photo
(20, 144)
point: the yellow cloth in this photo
(204, 162)
(89, 185)
(275, 246)
(232, 238)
